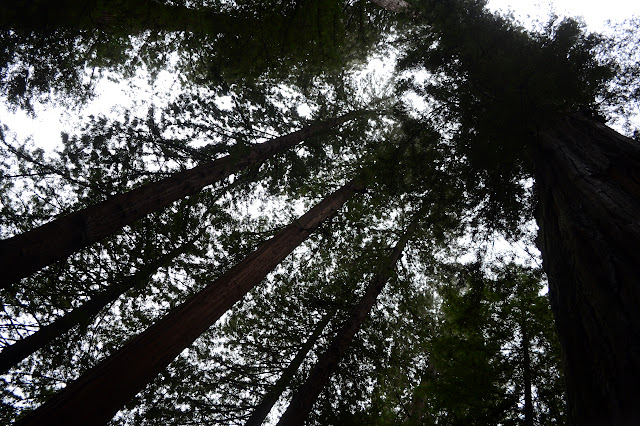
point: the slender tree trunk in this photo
(265, 406)
(526, 374)
(416, 411)
(588, 184)
(306, 396)
(123, 16)
(28, 252)
(21, 349)
(97, 395)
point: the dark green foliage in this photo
(495, 85)
(60, 48)
(471, 365)
(448, 343)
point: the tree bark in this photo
(96, 396)
(28, 252)
(123, 16)
(588, 185)
(303, 400)
(265, 406)
(21, 349)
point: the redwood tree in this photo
(26, 253)
(83, 314)
(97, 395)
(525, 105)
(589, 217)
(271, 397)
(306, 395)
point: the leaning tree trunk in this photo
(83, 314)
(28, 252)
(303, 400)
(272, 396)
(588, 185)
(96, 396)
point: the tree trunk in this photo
(96, 396)
(28, 252)
(122, 16)
(588, 184)
(11, 355)
(265, 406)
(302, 402)
(526, 374)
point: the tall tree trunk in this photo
(124, 16)
(526, 374)
(97, 395)
(303, 400)
(28, 252)
(265, 406)
(588, 184)
(11, 355)
(416, 411)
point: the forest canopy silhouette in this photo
(289, 237)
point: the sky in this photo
(594, 12)
(46, 128)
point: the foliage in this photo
(495, 85)
(469, 368)
(446, 343)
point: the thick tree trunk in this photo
(96, 396)
(303, 400)
(123, 16)
(265, 406)
(11, 355)
(588, 184)
(26, 253)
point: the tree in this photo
(25, 347)
(303, 400)
(504, 105)
(588, 230)
(267, 402)
(470, 366)
(516, 121)
(215, 44)
(124, 373)
(30, 251)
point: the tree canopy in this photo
(289, 227)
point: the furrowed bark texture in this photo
(97, 395)
(21, 349)
(28, 252)
(265, 406)
(304, 398)
(588, 183)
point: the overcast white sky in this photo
(47, 127)
(594, 12)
